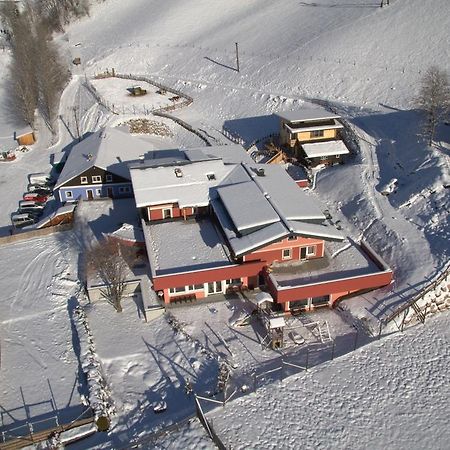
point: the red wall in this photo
(302, 183)
(274, 252)
(206, 276)
(330, 287)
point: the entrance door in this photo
(303, 253)
(110, 192)
(215, 287)
(90, 194)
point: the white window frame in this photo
(286, 250)
(84, 180)
(69, 194)
(96, 178)
(338, 156)
(109, 178)
(311, 250)
(164, 215)
(98, 192)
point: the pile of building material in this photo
(146, 126)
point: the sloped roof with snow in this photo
(329, 148)
(307, 114)
(187, 184)
(269, 206)
(109, 149)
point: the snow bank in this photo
(99, 395)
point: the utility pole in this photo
(237, 57)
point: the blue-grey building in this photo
(98, 166)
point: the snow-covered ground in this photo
(394, 393)
(39, 372)
(366, 62)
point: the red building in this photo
(215, 222)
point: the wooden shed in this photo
(25, 136)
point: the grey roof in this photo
(316, 230)
(247, 210)
(242, 244)
(328, 148)
(307, 114)
(291, 202)
(266, 208)
(108, 149)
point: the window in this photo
(195, 287)
(323, 158)
(96, 178)
(98, 192)
(124, 189)
(167, 213)
(287, 253)
(177, 290)
(338, 156)
(83, 180)
(233, 281)
(108, 178)
(311, 250)
(292, 238)
(316, 133)
(69, 194)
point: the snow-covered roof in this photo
(247, 211)
(290, 202)
(307, 114)
(230, 154)
(277, 322)
(108, 149)
(265, 208)
(316, 127)
(183, 246)
(329, 148)
(128, 232)
(186, 184)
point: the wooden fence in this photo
(25, 235)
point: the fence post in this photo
(356, 339)
(379, 332)
(332, 351)
(307, 358)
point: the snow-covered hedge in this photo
(99, 395)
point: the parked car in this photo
(32, 207)
(41, 178)
(35, 197)
(20, 220)
(39, 189)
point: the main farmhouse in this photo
(215, 222)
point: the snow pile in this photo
(99, 395)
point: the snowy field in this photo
(113, 91)
(394, 393)
(39, 371)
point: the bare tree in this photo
(109, 260)
(51, 75)
(434, 100)
(25, 92)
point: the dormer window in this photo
(108, 178)
(178, 172)
(211, 176)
